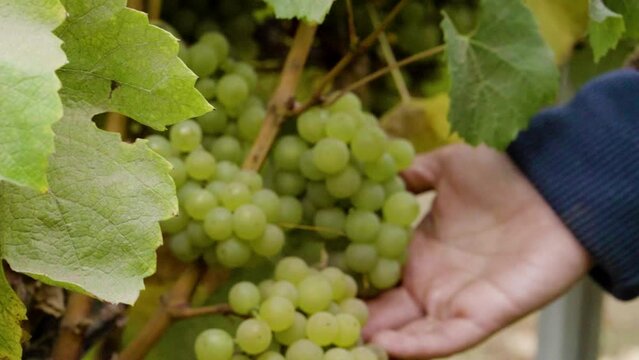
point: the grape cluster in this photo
(225, 214)
(300, 314)
(344, 168)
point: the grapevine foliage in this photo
(312, 11)
(29, 103)
(606, 28)
(501, 74)
(12, 311)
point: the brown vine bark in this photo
(69, 344)
(282, 100)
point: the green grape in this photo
(160, 145)
(368, 120)
(311, 125)
(271, 355)
(402, 152)
(226, 171)
(244, 297)
(370, 196)
(178, 172)
(227, 148)
(185, 136)
(232, 90)
(236, 194)
(203, 59)
(319, 195)
(181, 247)
(349, 330)
(315, 293)
(198, 203)
(213, 122)
(218, 224)
(378, 350)
(330, 222)
(337, 280)
(368, 144)
(290, 210)
(307, 167)
(349, 102)
(233, 253)
(214, 344)
(240, 357)
(322, 328)
(382, 169)
(250, 178)
(363, 353)
(361, 258)
(345, 183)
(184, 55)
(269, 202)
(341, 126)
(394, 185)
(294, 332)
(304, 350)
(289, 183)
(330, 155)
(206, 86)
(200, 165)
(186, 190)
(291, 269)
(338, 354)
(391, 241)
(216, 187)
(355, 307)
(253, 336)
(309, 209)
(285, 289)
(266, 287)
(176, 223)
(401, 208)
(361, 226)
(270, 243)
(278, 312)
(334, 309)
(250, 122)
(288, 151)
(231, 128)
(207, 140)
(218, 42)
(246, 71)
(351, 284)
(197, 235)
(385, 274)
(249, 222)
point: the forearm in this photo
(584, 159)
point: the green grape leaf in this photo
(118, 62)
(500, 75)
(12, 311)
(605, 28)
(29, 104)
(309, 10)
(629, 9)
(96, 229)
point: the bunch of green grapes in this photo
(225, 214)
(345, 169)
(300, 314)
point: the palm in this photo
(490, 251)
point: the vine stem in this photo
(187, 312)
(351, 55)
(282, 100)
(178, 297)
(68, 345)
(352, 32)
(398, 79)
(381, 72)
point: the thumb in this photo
(425, 171)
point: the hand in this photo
(490, 252)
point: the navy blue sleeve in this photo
(583, 158)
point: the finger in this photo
(429, 338)
(391, 310)
(424, 172)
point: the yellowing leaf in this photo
(423, 121)
(12, 311)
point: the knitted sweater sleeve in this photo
(583, 157)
